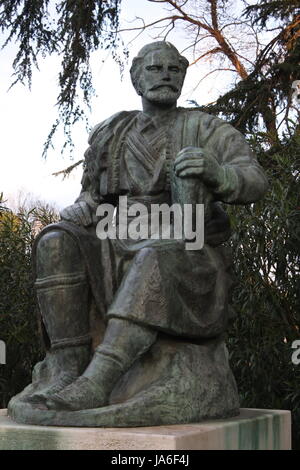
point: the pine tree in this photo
(73, 29)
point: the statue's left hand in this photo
(195, 162)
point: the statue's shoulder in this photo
(203, 118)
(209, 126)
(109, 124)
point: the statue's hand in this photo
(78, 213)
(194, 162)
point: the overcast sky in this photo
(26, 116)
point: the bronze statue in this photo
(134, 329)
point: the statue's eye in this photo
(174, 69)
(153, 68)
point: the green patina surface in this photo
(25, 439)
(276, 431)
(255, 434)
(155, 297)
(254, 430)
(249, 434)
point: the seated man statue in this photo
(154, 352)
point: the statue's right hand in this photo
(78, 213)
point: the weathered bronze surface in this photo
(134, 329)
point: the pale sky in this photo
(26, 116)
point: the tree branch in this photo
(149, 25)
(212, 51)
(184, 16)
(214, 14)
(66, 172)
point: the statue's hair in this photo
(154, 46)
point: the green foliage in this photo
(263, 101)
(74, 29)
(267, 235)
(18, 312)
(266, 11)
(266, 298)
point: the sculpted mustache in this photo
(164, 85)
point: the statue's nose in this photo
(166, 77)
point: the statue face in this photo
(161, 77)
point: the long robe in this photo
(160, 284)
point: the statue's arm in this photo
(241, 184)
(226, 164)
(242, 180)
(94, 179)
(83, 211)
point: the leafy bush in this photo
(18, 313)
(266, 298)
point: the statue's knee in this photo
(55, 241)
(57, 252)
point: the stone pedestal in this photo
(251, 430)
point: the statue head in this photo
(158, 72)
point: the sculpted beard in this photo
(165, 94)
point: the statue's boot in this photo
(63, 298)
(123, 343)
